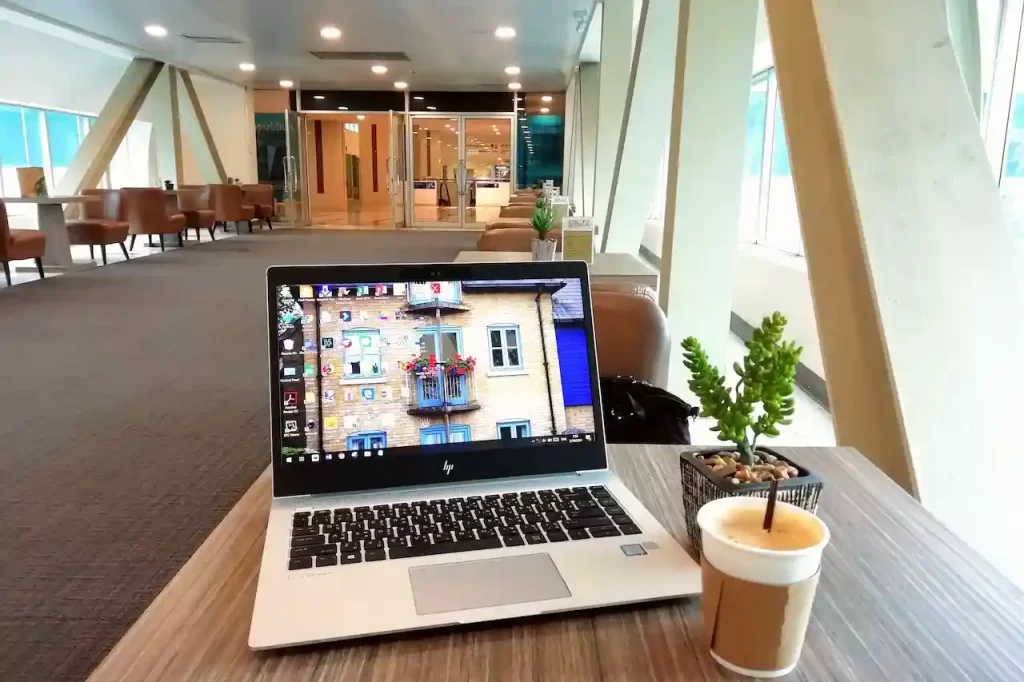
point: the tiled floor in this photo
(812, 424)
(81, 254)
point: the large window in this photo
(30, 136)
(505, 344)
(362, 354)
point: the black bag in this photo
(637, 412)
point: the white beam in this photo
(916, 277)
(643, 137)
(198, 131)
(113, 121)
(965, 32)
(163, 105)
(714, 53)
(616, 63)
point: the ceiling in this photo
(450, 43)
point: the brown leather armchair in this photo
(519, 199)
(145, 209)
(631, 332)
(193, 203)
(517, 211)
(512, 239)
(261, 198)
(504, 223)
(19, 245)
(101, 223)
(228, 204)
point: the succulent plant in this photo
(766, 377)
(543, 221)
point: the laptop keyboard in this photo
(458, 524)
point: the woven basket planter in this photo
(700, 486)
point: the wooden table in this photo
(171, 199)
(900, 598)
(607, 267)
(57, 256)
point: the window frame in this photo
(507, 367)
(513, 424)
(361, 331)
(445, 431)
(366, 436)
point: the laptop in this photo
(439, 456)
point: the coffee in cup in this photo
(758, 585)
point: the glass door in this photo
(397, 170)
(435, 162)
(461, 168)
(487, 167)
(296, 206)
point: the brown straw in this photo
(769, 512)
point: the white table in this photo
(57, 255)
(607, 267)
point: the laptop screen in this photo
(371, 370)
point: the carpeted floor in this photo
(134, 415)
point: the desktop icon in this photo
(305, 292)
(310, 396)
(327, 456)
(366, 453)
(302, 459)
(288, 460)
(329, 394)
(587, 436)
(380, 453)
(290, 371)
(341, 455)
(346, 315)
(291, 399)
(309, 371)
(327, 370)
(291, 427)
(307, 319)
(331, 423)
(325, 291)
(288, 344)
(315, 458)
(311, 426)
(328, 342)
(308, 344)
(380, 290)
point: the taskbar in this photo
(440, 448)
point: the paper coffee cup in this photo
(756, 602)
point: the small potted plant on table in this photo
(767, 378)
(543, 221)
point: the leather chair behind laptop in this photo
(194, 205)
(101, 223)
(19, 245)
(228, 204)
(631, 332)
(512, 239)
(145, 209)
(261, 198)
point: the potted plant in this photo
(761, 401)
(543, 221)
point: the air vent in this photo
(362, 56)
(211, 40)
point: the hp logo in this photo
(448, 467)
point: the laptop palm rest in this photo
(488, 582)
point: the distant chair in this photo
(101, 223)
(261, 198)
(194, 204)
(504, 223)
(512, 239)
(19, 245)
(522, 199)
(145, 209)
(517, 211)
(228, 204)
(631, 332)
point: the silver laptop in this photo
(439, 456)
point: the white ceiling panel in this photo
(450, 43)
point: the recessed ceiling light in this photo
(319, 97)
(286, 84)
(544, 110)
(361, 117)
(419, 97)
(342, 108)
(504, 32)
(156, 30)
(330, 32)
(432, 108)
(514, 86)
(246, 66)
(379, 69)
(512, 70)
(401, 85)
(545, 98)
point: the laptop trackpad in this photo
(487, 582)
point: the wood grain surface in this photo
(900, 598)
